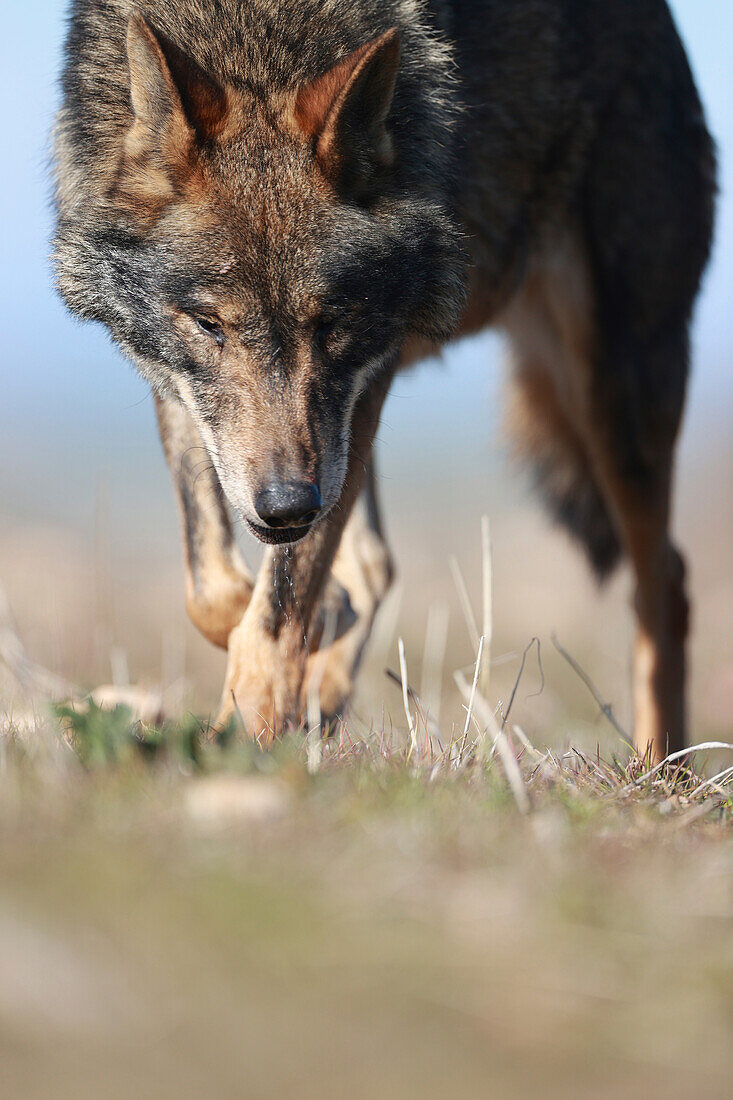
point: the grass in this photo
(187, 916)
(405, 909)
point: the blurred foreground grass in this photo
(186, 917)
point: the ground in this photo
(372, 915)
(386, 914)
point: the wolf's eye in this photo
(328, 328)
(324, 329)
(210, 328)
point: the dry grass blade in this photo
(436, 640)
(465, 601)
(313, 692)
(518, 680)
(471, 699)
(522, 736)
(705, 746)
(501, 744)
(487, 578)
(406, 700)
(715, 782)
(504, 751)
(465, 689)
(604, 706)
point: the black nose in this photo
(288, 503)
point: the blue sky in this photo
(64, 390)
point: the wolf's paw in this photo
(331, 675)
(361, 577)
(334, 616)
(263, 681)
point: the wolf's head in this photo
(260, 253)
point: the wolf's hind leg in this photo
(218, 585)
(662, 613)
(546, 439)
(597, 411)
(633, 449)
(648, 216)
(363, 569)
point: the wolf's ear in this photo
(345, 113)
(175, 105)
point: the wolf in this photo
(275, 205)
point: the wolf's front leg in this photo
(269, 651)
(218, 584)
(363, 572)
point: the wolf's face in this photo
(260, 261)
(269, 335)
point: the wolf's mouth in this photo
(276, 536)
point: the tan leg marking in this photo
(363, 569)
(551, 325)
(264, 672)
(662, 612)
(217, 605)
(218, 584)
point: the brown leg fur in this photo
(218, 584)
(562, 426)
(363, 568)
(662, 613)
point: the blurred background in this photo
(90, 558)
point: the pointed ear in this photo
(175, 106)
(345, 113)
